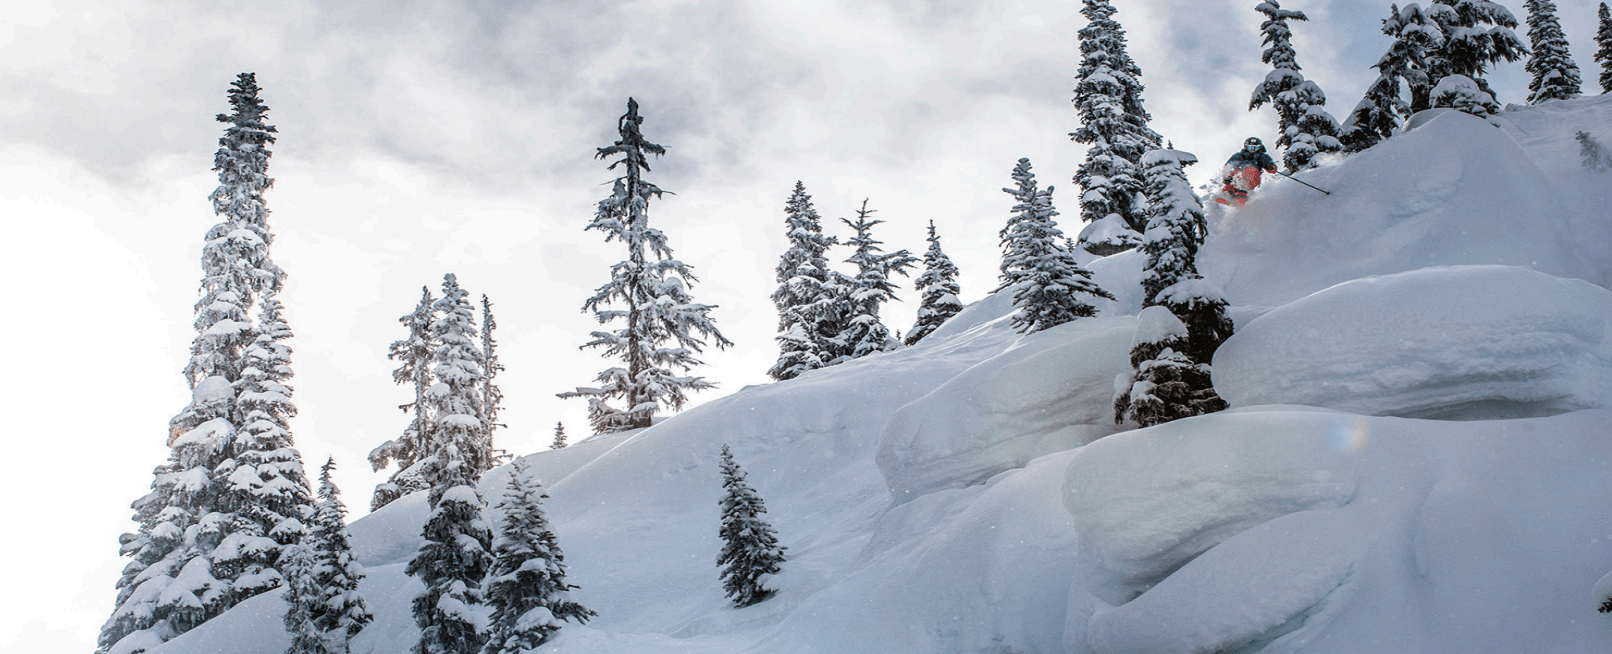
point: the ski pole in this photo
(1303, 182)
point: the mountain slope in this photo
(971, 494)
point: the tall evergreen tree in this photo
(559, 437)
(1050, 280)
(1383, 108)
(1184, 319)
(341, 612)
(302, 600)
(1055, 281)
(1108, 97)
(1555, 76)
(1303, 125)
(458, 418)
(455, 556)
(527, 587)
(1016, 254)
(864, 332)
(452, 562)
(414, 355)
(665, 328)
(808, 320)
(750, 550)
(204, 540)
(1603, 53)
(1477, 34)
(937, 291)
(1176, 228)
(262, 475)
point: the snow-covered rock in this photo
(1462, 342)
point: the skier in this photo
(1242, 172)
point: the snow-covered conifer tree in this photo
(1165, 384)
(1477, 34)
(262, 474)
(1176, 223)
(1016, 255)
(457, 416)
(1461, 93)
(414, 355)
(1555, 76)
(1382, 110)
(808, 323)
(864, 332)
(1050, 280)
(302, 601)
(937, 291)
(559, 437)
(452, 562)
(455, 557)
(188, 565)
(527, 588)
(1113, 122)
(1603, 41)
(665, 328)
(341, 612)
(1303, 126)
(750, 550)
(1176, 227)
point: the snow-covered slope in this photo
(972, 494)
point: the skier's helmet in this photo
(1253, 144)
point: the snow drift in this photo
(1464, 342)
(951, 497)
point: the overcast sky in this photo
(420, 138)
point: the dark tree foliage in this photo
(1166, 384)
(456, 555)
(492, 398)
(452, 562)
(750, 554)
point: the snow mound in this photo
(1048, 393)
(1465, 342)
(1286, 577)
(1288, 529)
(1150, 501)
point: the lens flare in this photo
(1351, 436)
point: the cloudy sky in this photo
(421, 137)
